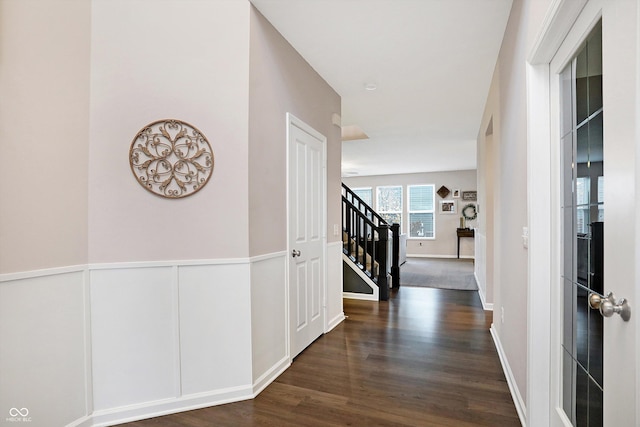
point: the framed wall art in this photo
(470, 195)
(448, 206)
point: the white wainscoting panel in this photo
(335, 311)
(215, 327)
(269, 318)
(43, 342)
(103, 344)
(134, 335)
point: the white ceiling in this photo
(431, 60)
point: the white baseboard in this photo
(82, 422)
(185, 403)
(485, 306)
(353, 295)
(521, 407)
(335, 322)
(268, 377)
(440, 256)
(170, 406)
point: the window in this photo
(421, 211)
(366, 194)
(390, 204)
(601, 198)
(583, 185)
(584, 203)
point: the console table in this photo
(464, 232)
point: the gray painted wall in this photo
(504, 152)
(445, 242)
(44, 128)
(281, 81)
(199, 76)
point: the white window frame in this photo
(431, 211)
(382, 212)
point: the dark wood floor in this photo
(424, 358)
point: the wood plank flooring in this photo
(423, 358)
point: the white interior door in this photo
(593, 127)
(307, 236)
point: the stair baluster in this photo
(366, 241)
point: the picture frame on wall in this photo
(448, 207)
(456, 193)
(470, 195)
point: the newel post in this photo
(383, 284)
(395, 256)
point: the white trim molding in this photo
(440, 256)
(556, 25)
(483, 298)
(170, 406)
(355, 295)
(375, 296)
(334, 306)
(268, 377)
(543, 372)
(332, 323)
(45, 272)
(511, 381)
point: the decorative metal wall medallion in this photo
(171, 158)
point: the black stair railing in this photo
(366, 242)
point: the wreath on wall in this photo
(469, 212)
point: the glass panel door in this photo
(583, 221)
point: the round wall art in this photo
(171, 158)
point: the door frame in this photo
(292, 120)
(543, 376)
(543, 194)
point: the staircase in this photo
(371, 248)
(357, 253)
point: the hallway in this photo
(424, 358)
